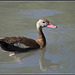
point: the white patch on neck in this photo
(38, 26)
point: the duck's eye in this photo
(43, 22)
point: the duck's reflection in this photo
(21, 55)
(45, 64)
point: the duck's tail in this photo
(3, 45)
(1, 42)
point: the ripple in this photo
(38, 13)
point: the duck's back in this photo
(18, 44)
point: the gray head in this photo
(41, 23)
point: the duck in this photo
(18, 44)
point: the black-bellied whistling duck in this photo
(24, 44)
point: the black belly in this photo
(9, 47)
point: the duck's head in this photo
(41, 23)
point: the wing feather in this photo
(20, 45)
(20, 42)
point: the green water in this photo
(19, 19)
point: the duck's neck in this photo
(41, 40)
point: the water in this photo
(19, 19)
